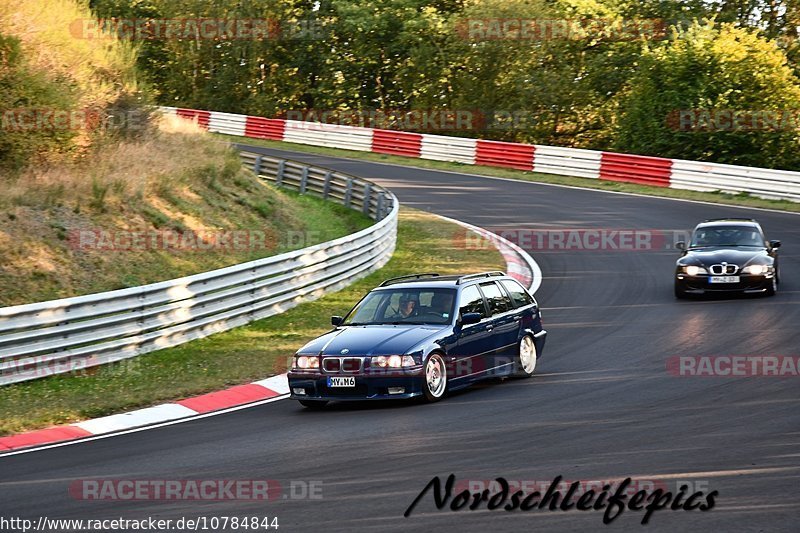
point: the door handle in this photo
(489, 327)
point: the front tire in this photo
(525, 365)
(435, 379)
(314, 405)
(772, 289)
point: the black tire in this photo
(773, 287)
(434, 380)
(680, 294)
(527, 357)
(314, 405)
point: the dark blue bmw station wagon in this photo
(422, 335)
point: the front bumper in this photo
(368, 387)
(748, 283)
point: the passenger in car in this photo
(441, 303)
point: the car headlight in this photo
(392, 361)
(694, 270)
(757, 269)
(306, 362)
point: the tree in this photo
(690, 91)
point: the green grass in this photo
(242, 355)
(742, 199)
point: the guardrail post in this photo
(348, 195)
(303, 180)
(279, 173)
(381, 206)
(367, 197)
(257, 165)
(326, 188)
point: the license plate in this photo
(341, 381)
(724, 279)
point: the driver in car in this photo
(408, 307)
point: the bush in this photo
(681, 101)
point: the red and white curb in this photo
(519, 265)
(272, 387)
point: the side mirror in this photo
(680, 245)
(336, 321)
(470, 318)
(774, 244)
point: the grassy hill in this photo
(112, 168)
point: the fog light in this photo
(300, 391)
(397, 390)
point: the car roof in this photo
(748, 222)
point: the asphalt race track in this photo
(603, 405)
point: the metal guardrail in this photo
(70, 334)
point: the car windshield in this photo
(404, 306)
(727, 236)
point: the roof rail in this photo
(410, 276)
(729, 218)
(491, 274)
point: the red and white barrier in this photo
(567, 161)
(640, 169)
(643, 170)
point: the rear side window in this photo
(471, 301)
(519, 296)
(499, 302)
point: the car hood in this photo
(713, 256)
(371, 340)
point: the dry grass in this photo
(53, 37)
(115, 173)
(178, 179)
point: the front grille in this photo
(351, 364)
(724, 269)
(341, 364)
